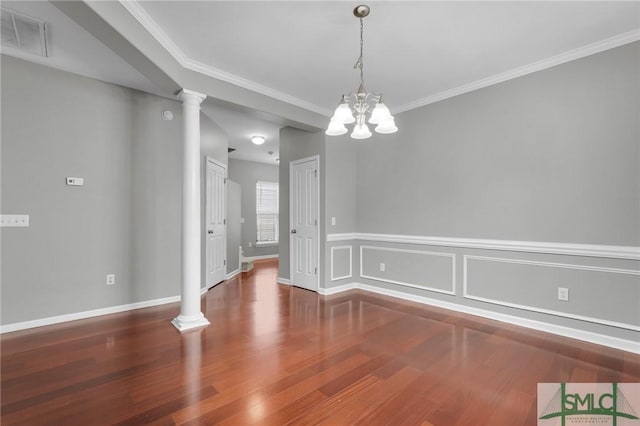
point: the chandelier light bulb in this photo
(361, 131)
(343, 113)
(387, 126)
(336, 128)
(380, 113)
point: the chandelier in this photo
(357, 106)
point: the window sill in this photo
(266, 244)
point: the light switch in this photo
(333, 221)
(12, 220)
(75, 181)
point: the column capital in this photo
(187, 95)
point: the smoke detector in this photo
(23, 32)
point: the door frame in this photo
(208, 159)
(291, 165)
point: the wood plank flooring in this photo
(277, 355)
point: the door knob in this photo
(293, 231)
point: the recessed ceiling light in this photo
(258, 140)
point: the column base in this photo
(184, 323)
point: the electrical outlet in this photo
(111, 279)
(382, 267)
(563, 294)
(250, 244)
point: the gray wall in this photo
(247, 174)
(341, 196)
(234, 227)
(294, 145)
(125, 219)
(549, 157)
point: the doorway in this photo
(304, 215)
(215, 222)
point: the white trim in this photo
(466, 294)
(342, 237)
(284, 281)
(451, 292)
(587, 336)
(350, 274)
(571, 55)
(338, 289)
(263, 257)
(266, 244)
(87, 314)
(231, 275)
(165, 41)
(569, 249)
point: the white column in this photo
(190, 315)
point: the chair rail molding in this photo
(570, 249)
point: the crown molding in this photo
(141, 15)
(138, 12)
(571, 55)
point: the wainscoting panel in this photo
(433, 271)
(608, 296)
(341, 261)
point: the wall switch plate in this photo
(382, 267)
(563, 294)
(333, 221)
(75, 181)
(13, 220)
(250, 244)
(111, 279)
(242, 220)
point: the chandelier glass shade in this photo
(361, 107)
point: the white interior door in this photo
(304, 216)
(215, 222)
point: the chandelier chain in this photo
(359, 63)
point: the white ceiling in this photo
(241, 125)
(302, 52)
(414, 51)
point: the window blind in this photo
(267, 212)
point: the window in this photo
(267, 212)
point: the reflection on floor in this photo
(275, 354)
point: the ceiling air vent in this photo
(23, 33)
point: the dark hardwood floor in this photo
(280, 355)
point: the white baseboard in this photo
(284, 281)
(587, 336)
(231, 275)
(17, 326)
(338, 289)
